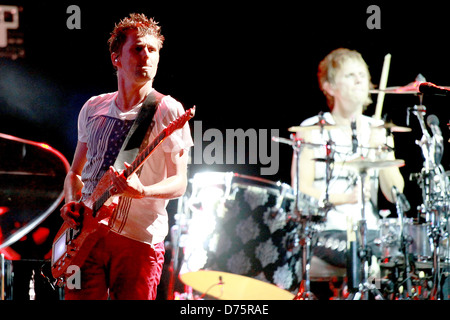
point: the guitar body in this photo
(72, 246)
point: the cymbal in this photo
(229, 286)
(394, 128)
(321, 124)
(411, 88)
(313, 127)
(364, 164)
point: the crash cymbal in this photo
(394, 128)
(229, 286)
(411, 88)
(364, 164)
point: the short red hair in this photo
(135, 21)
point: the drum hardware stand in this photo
(308, 232)
(2, 276)
(402, 206)
(404, 245)
(364, 253)
(426, 179)
(435, 234)
(176, 234)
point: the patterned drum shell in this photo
(243, 225)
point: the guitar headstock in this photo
(180, 122)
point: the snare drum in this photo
(241, 225)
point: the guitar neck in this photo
(140, 159)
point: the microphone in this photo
(404, 202)
(438, 140)
(433, 123)
(431, 88)
(354, 136)
(400, 198)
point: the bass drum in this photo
(242, 225)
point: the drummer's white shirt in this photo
(343, 177)
(144, 219)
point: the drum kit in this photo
(244, 237)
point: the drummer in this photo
(344, 79)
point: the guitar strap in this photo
(142, 125)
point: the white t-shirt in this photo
(103, 126)
(343, 176)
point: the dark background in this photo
(244, 65)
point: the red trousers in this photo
(120, 268)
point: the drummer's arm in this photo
(390, 177)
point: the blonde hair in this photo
(331, 64)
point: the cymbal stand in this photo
(364, 253)
(306, 233)
(308, 230)
(176, 233)
(426, 179)
(329, 160)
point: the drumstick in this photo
(383, 82)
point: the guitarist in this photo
(127, 262)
